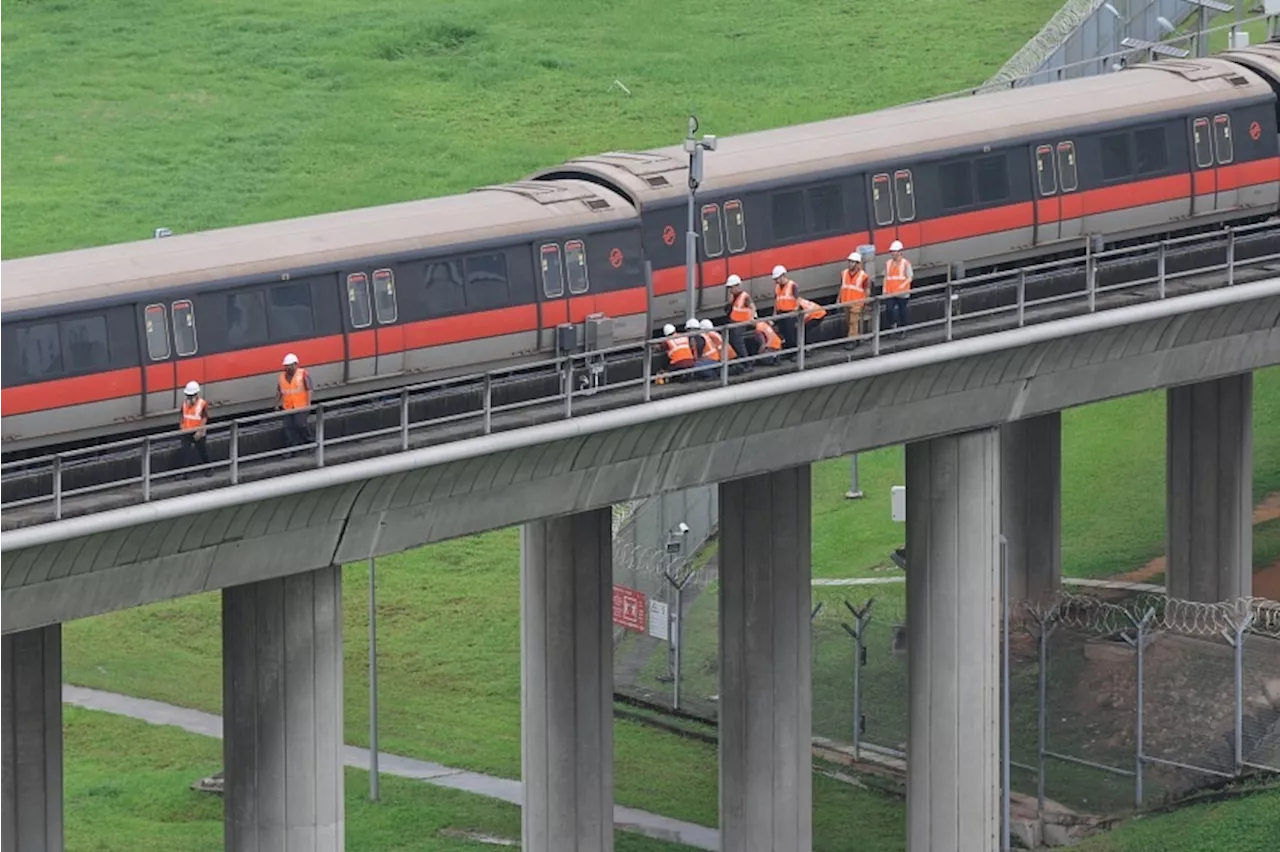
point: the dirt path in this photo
(1266, 583)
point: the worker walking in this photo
(897, 287)
(195, 422)
(785, 300)
(741, 309)
(854, 283)
(293, 394)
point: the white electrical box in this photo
(898, 500)
(1240, 39)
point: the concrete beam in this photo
(766, 784)
(953, 596)
(282, 700)
(1031, 505)
(566, 670)
(31, 714)
(1209, 532)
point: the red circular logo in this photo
(615, 258)
(669, 235)
(1255, 131)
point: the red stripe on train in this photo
(77, 390)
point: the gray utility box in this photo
(566, 338)
(599, 332)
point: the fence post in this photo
(488, 402)
(648, 372)
(947, 310)
(319, 436)
(800, 323)
(146, 469)
(861, 618)
(1022, 297)
(1140, 647)
(57, 488)
(1090, 275)
(876, 303)
(1244, 621)
(235, 451)
(404, 419)
(1160, 270)
(568, 387)
(1042, 735)
(1231, 256)
(724, 358)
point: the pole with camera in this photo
(694, 148)
(675, 639)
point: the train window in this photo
(358, 306)
(1116, 159)
(712, 236)
(486, 281)
(735, 226)
(289, 311)
(246, 314)
(552, 272)
(1222, 138)
(825, 208)
(443, 292)
(882, 200)
(992, 175)
(1044, 170)
(157, 326)
(904, 195)
(575, 263)
(39, 351)
(1203, 142)
(1067, 166)
(788, 215)
(384, 295)
(956, 183)
(84, 344)
(184, 328)
(1151, 152)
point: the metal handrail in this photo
(572, 365)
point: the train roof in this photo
(936, 128)
(270, 248)
(1263, 58)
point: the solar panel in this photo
(1155, 47)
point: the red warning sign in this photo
(669, 235)
(630, 609)
(615, 258)
(1255, 131)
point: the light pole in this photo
(854, 492)
(675, 548)
(694, 148)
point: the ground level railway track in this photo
(121, 473)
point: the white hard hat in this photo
(706, 325)
(692, 325)
(193, 388)
(290, 359)
(668, 329)
(855, 257)
(732, 281)
(896, 245)
(779, 271)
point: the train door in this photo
(186, 348)
(1048, 216)
(884, 230)
(1227, 196)
(162, 393)
(389, 335)
(1070, 206)
(375, 344)
(555, 308)
(1204, 177)
(715, 264)
(893, 210)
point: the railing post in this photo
(57, 488)
(234, 451)
(1231, 256)
(647, 367)
(404, 420)
(875, 325)
(800, 340)
(1160, 270)
(1022, 297)
(1090, 276)
(320, 436)
(724, 358)
(488, 403)
(568, 387)
(146, 469)
(947, 310)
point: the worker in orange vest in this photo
(741, 310)
(194, 422)
(897, 287)
(767, 341)
(679, 351)
(854, 283)
(293, 392)
(813, 312)
(786, 297)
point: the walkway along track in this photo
(123, 473)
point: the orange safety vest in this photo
(897, 277)
(785, 296)
(678, 351)
(712, 341)
(815, 311)
(741, 311)
(771, 338)
(853, 286)
(294, 394)
(193, 414)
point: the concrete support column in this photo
(1031, 505)
(1209, 531)
(766, 716)
(566, 669)
(282, 713)
(32, 718)
(953, 643)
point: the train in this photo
(101, 341)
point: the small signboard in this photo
(629, 608)
(658, 620)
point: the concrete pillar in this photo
(953, 618)
(1031, 505)
(282, 713)
(1209, 531)
(566, 670)
(766, 716)
(32, 718)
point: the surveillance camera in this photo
(683, 528)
